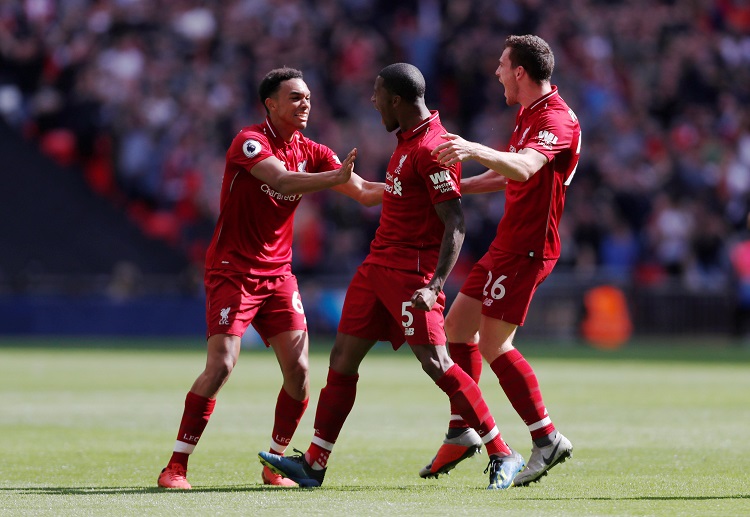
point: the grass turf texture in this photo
(85, 431)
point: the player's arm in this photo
(518, 166)
(488, 181)
(273, 172)
(369, 193)
(452, 215)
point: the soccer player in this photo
(248, 275)
(396, 294)
(535, 172)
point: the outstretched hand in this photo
(455, 150)
(347, 166)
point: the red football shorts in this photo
(236, 300)
(505, 283)
(377, 306)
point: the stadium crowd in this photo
(146, 95)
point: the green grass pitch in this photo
(658, 431)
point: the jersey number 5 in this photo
(408, 316)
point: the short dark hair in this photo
(533, 54)
(404, 80)
(273, 79)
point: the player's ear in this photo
(270, 104)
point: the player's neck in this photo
(413, 118)
(533, 93)
(285, 131)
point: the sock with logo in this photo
(195, 417)
(466, 397)
(521, 386)
(334, 405)
(286, 419)
(468, 357)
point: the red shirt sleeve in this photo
(442, 182)
(323, 158)
(553, 135)
(248, 149)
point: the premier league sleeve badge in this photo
(251, 148)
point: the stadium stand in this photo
(141, 98)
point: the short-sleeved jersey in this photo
(410, 231)
(533, 208)
(253, 234)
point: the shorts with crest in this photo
(378, 307)
(236, 300)
(505, 283)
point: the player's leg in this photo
(520, 384)
(466, 397)
(461, 327)
(282, 324)
(334, 405)
(461, 441)
(462, 331)
(222, 354)
(291, 349)
(337, 397)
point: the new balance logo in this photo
(224, 313)
(487, 302)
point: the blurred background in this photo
(115, 116)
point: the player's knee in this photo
(221, 369)
(450, 327)
(297, 374)
(457, 332)
(342, 362)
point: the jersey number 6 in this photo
(497, 290)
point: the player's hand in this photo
(423, 299)
(347, 166)
(455, 150)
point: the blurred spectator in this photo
(146, 95)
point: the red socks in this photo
(286, 419)
(198, 411)
(194, 420)
(468, 357)
(466, 397)
(520, 385)
(335, 403)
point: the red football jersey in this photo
(410, 231)
(533, 208)
(254, 231)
